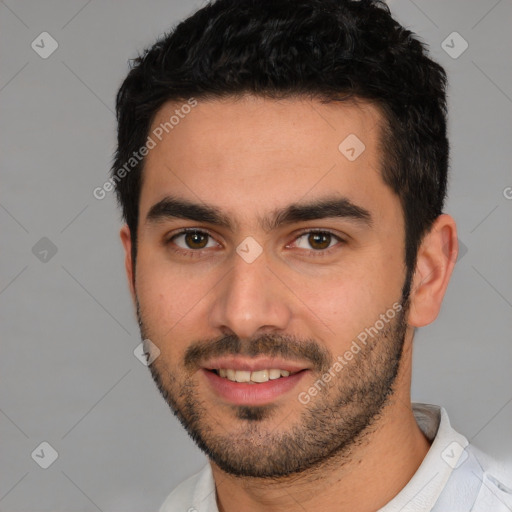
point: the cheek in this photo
(340, 307)
(160, 295)
(172, 299)
(352, 298)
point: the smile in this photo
(257, 387)
(259, 376)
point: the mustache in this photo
(269, 345)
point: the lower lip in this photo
(243, 393)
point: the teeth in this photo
(260, 376)
(242, 376)
(274, 374)
(247, 376)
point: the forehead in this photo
(253, 154)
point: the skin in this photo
(249, 157)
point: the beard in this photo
(327, 428)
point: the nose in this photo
(250, 300)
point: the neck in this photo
(374, 471)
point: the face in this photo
(270, 275)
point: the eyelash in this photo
(197, 252)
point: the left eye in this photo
(316, 240)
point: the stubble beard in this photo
(335, 421)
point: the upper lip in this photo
(253, 365)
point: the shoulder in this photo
(195, 494)
(478, 483)
(496, 481)
(491, 465)
(467, 478)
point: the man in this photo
(282, 170)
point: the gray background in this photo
(68, 373)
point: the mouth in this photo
(246, 382)
(255, 377)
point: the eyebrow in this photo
(331, 207)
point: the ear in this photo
(126, 238)
(436, 259)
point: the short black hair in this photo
(329, 50)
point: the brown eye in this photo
(193, 240)
(316, 240)
(196, 240)
(319, 241)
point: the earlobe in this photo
(434, 266)
(126, 239)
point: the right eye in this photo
(192, 239)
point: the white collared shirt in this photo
(453, 477)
